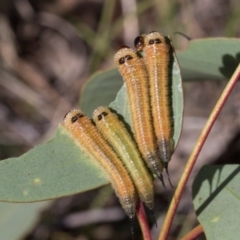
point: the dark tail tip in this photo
(163, 184)
(166, 167)
(132, 220)
(162, 181)
(153, 217)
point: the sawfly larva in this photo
(157, 51)
(134, 73)
(115, 132)
(88, 138)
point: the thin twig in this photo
(196, 232)
(192, 159)
(142, 219)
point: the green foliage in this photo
(216, 198)
(12, 225)
(204, 59)
(59, 167)
(100, 90)
(122, 107)
(210, 59)
(54, 169)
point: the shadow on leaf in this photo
(209, 173)
(230, 64)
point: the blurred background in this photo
(49, 48)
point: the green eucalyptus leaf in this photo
(100, 90)
(210, 59)
(203, 59)
(53, 169)
(216, 198)
(59, 167)
(12, 226)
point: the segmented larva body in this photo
(115, 132)
(157, 53)
(134, 73)
(86, 135)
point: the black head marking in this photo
(104, 114)
(74, 119)
(121, 60)
(152, 32)
(128, 57)
(154, 41)
(99, 117)
(79, 115)
(139, 43)
(151, 41)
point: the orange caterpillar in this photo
(157, 56)
(134, 73)
(115, 132)
(86, 135)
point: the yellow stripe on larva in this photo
(157, 56)
(134, 73)
(91, 142)
(114, 131)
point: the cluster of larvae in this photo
(127, 159)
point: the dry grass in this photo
(49, 48)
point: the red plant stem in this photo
(142, 219)
(196, 232)
(193, 157)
